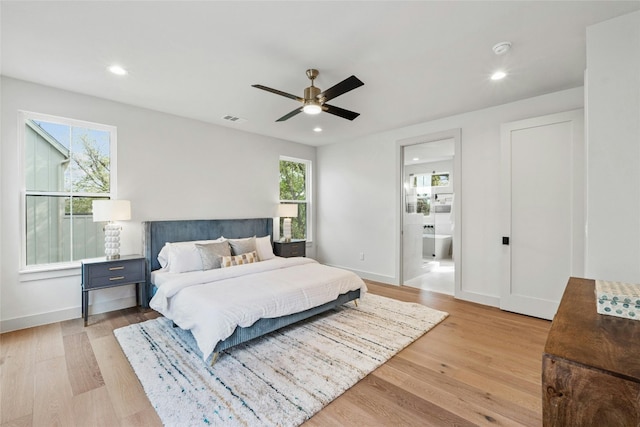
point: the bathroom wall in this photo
(441, 219)
(415, 250)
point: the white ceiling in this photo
(419, 60)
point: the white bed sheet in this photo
(212, 303)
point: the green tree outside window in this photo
(293, 189)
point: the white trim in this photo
(49, 271)
(23, 117)
(63, 194)
(388, 280)
(63, 120)
(66, 314)
(479, 298)
(456, 135)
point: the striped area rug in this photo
(281, 379)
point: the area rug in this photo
(281, 379)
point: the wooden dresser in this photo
(590, 364)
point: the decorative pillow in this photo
(211, 253)
(180, 257)
(242, 246)
(264, 248)
(229, 261)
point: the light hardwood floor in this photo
(481, 366)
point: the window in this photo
(295, 187)
(440, 179)
(422, 188)
(66, 165)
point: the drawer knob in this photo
(116, 278)
(116, 268)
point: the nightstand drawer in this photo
(113, 280)
(290, 249)
(296, 249)
(112, 273)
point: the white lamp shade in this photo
(289, 210)
(111, 210)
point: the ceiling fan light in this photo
(312, 108)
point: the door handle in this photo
(505, 240)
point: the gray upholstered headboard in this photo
(157, 233)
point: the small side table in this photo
(100, 273)
(290, 249)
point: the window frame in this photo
(23, 116)
(308, 192)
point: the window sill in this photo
(49, 271)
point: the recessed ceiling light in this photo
(118, 70)
(415, 159)
(498, 75)
(317, 129)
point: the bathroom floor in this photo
(438, 277)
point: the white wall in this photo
(175, 168)
(613, 149)
(169, 167)
(360, 181)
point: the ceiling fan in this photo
(314, 100)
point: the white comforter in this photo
(212, 303)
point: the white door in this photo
(543, 184)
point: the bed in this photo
(224, 307)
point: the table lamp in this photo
(287, 211)
(110, 211)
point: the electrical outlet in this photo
(361, 256)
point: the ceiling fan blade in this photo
(344, 86)
(289, 115)
(340, 112)
(279, 92)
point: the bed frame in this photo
(157, 233)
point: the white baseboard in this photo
(66, 314)
(479, 298)
(389, 280)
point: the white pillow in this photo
(180, 257)
(264, 248)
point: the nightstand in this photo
(100, 273)
(290, 249)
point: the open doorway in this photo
(429, 218)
